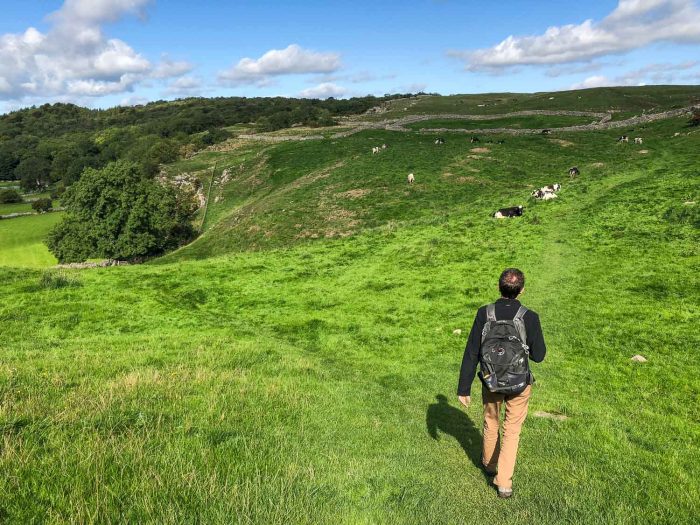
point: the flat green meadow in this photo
(289, 366)
(22, 238)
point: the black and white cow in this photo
(544, 195)
(474, 139)
(574, 172)
(551, 187)
(439, 140)
(546, 131)
(623, 138)
(515, 211)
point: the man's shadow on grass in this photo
(448, 419)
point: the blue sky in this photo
(103, 53)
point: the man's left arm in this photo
(535, 338)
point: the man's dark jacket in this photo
(505, 310)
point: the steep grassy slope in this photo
(291, 192)
(275, 373)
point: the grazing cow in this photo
(546, 131)
(574, 172)
(384, 146)
(552, 187)
(411, 178)
(623, 138)
(439, 140)
(474, 139)
(544, 195)
(515, 211)
(638, 140)
(375, 150)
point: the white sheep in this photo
(411, 178)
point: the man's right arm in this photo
(470, 358)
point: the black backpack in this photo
(504, 355)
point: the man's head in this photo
(511, 283)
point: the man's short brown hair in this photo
(511, 283)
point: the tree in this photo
(9, 196)
(8, 163)
(116, 213)
(42, 205)
(33, 173)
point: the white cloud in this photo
(168, 68)
(92, 12)
(650, 74)
(593, 82)
(134, 100)
(185, 86)
(74, 58)
(633, 24)
(291, 60)
(323, 91)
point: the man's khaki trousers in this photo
(499, 453)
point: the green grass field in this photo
(633, 99)
(529, 122)
(285, 367)
(15, 207)
(22, 240)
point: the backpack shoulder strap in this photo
(519, 322)
(491, 313)
(490, 318)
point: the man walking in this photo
(504, 337)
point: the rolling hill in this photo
(288, 366)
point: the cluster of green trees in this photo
(118, 213)
(53, 144)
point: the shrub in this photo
(9, 196)
(695, 118)
(42, 205)
(52, 280)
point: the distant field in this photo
(636, 99)
(15, 207)
(528, 122)
(22, 241)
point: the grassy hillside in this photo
(533, 122)
(287, 366)
(632, 99)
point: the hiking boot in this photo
(504, 493)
